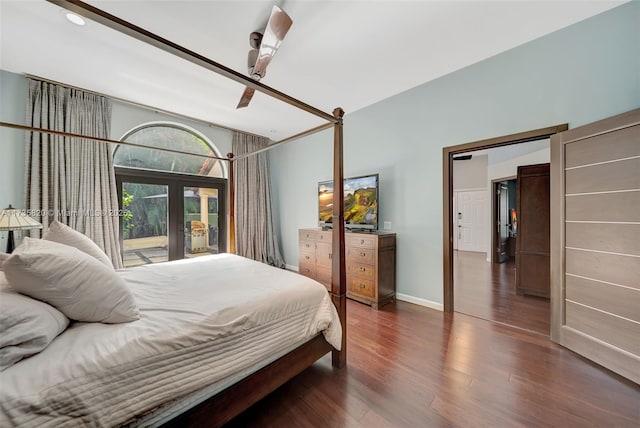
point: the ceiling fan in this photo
(264, 47)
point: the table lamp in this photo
(12, 219)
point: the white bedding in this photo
(202, 320)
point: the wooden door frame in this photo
(447, 192)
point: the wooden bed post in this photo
(232, 207)
(338, 275)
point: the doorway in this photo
(469, 269)
(504, 220)
(170, 216)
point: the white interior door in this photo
(470, 218)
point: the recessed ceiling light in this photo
(273, 131)
(76, 19)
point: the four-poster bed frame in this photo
(227, 404)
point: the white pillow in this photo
(75, 283)
(27, 326)
(63, 234)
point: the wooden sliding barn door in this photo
(595, 242)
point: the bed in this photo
(204, 324)
(38, 391)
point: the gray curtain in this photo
(72, 180)
(255, 232)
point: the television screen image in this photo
(360, 202)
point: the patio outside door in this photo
(145, 232)
(201, 224)
(170, 216)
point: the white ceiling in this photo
(349, 53)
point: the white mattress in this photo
(202, 321)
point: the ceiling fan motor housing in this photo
(255, 39)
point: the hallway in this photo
(487, 290)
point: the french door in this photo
(169, 216)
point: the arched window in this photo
(169, 136)
(173, 204)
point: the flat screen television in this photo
(360, 202)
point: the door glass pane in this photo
(200, 221)
(145, 230)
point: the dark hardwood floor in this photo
(410, 366)
(488, 291)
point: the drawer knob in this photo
(362, 254)
(321, 236)
(362, 241)
(362, 269)
(362, 285)
(306, 245)
(306, 257)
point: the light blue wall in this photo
(13, 105)
(577, 75)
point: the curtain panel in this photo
(72, 180)
(255, 232)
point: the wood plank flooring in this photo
(488, 291)
(410, 366)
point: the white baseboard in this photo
(403, 297)
(422, 302)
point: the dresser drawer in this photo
(361, 255)
(307, 246)
(308, 269)
(307, 258)
(323, 275)
(360, 241)
(361, 270)
(361, 287)
(307, 235)
(323, 237)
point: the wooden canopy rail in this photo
(224, 406)
(104, 140)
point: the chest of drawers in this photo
(370, 260)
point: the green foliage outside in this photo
(145, 210)
(127, 215)
(166, 137)
(148, 208)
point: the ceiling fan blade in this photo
(246, 97)
(277, 27)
